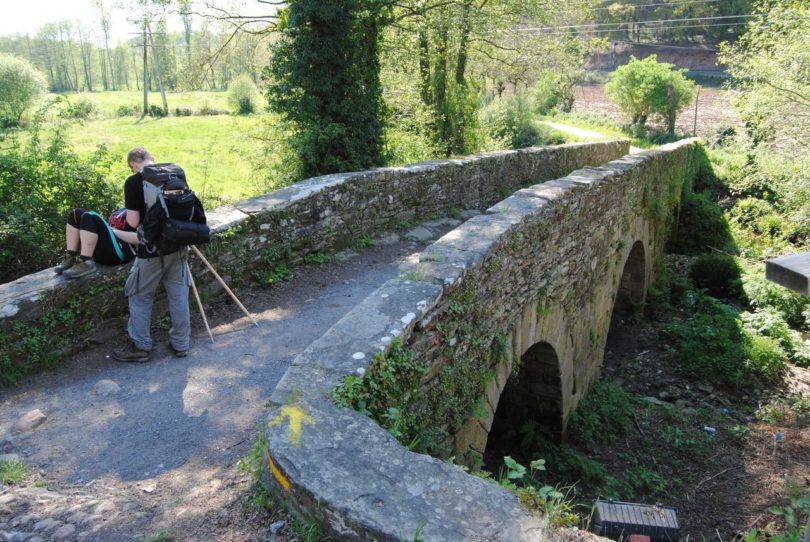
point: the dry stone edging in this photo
(339, 467)
(28, 514)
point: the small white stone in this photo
(31, 420)
(262, 239)
(360, 371)
(358, 355)
(8, 310)
(150, 488)
(395, 332)
(385, 340)
(408, 318)
(384, 296)
(265, 227)
(453, 341)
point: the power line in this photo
(687, 19)
(667, 4)
(651, 28)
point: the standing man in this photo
(149, 269)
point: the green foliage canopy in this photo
(645, 87)
(20, 85)
(770, 69)
(324, 81)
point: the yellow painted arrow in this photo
(296, 417)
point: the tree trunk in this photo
(461, 63)
(424, 69)
(85, 54)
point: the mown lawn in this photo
(213, 150)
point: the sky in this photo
(27, 16)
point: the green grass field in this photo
(212, 150)
(108, 103)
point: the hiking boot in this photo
(131, 353)
(178, 353)
(81, 269)
(66, 264)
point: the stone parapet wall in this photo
(319, 214)
(542, 266)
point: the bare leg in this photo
(72, 238)
(89, 241)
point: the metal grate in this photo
(619, 520)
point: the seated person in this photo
(90, 239)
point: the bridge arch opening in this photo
(630, 296)
(529, 409)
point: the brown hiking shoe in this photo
(178, 353)
(68, 262)
(81, 269)
(131, 353)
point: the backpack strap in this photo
(113, 238)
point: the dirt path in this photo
(133, 450)
(586, 135)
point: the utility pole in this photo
(145, 76)
(157, 68)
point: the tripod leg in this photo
(222, 282)
(199, 304)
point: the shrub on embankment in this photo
(734, 324)
(460, 346)
(40, 181)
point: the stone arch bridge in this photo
(525, 290)
(507, 317)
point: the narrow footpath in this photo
(125, 452)
(585, 135)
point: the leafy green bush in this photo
(646, 87)
(208, 110)
(243, 95)
(20, 86)
(157, 111)
(39, 183)
(511, 121)
(604, 414)
(127, 110)
(771, 324)
(701, 226)
(714, 344)
(763, 294)
(749, 211)
(553, 91)
(718, 274)
(80, 109)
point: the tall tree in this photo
(324, 81)
(107, 64)
(770, 74)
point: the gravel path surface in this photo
(133, 450)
